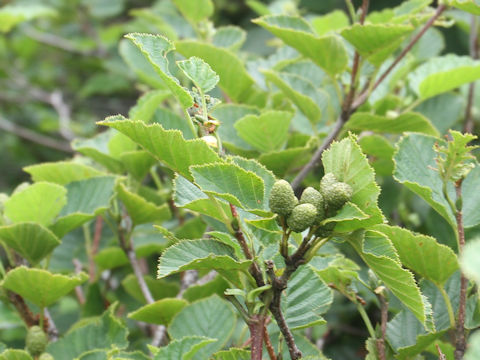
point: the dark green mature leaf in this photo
(160, 289)
(328, 52)
(414, 167)
(307, 298)
(229, 181)
(199, 72)
(376, 42)
(379, 254)
(234, 78)
(40, 202)
(210, 317)
(103, 333)
(168, 146)
(199, 255)
(41, 287)
(280, 162)
(61, 172)
(347, 162)
(267, 132)
(30, 240)
(411, 121)
(161, 312)
(442, 74)
(422, 254)
(140, 210)
(155, 48)
(184, 348)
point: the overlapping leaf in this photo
(184, 348)
(161, 312)
(61, 172)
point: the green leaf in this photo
(281, 162)
(30, 240)
(330, 22)
(410, 121)
(137, 163)
(40, 202)
(347, 162)
(230, 182)
(379, 254)
(195, 10)
(11, 354)
(306, 287)
(380, 152)
(471, 6)
(147, 104)
(155, 48)
(110, 258)
(473, 348)
(210, 317)
(40, 286)
(168, 146)
(199, 72)
(199, 255)
(61, 172)
(161, 312)
(229, 37)
(376, 42)
(160, 289)
(266, 132)
(234, 78)
(140, 210)
(471, 198)
(12, 15)
(469, 260)
(328, 52)
(422, 254)
(85, 200)
(184, 348)
(301, 92)
(103, 333)
(442, 74)
(414, 167)
(232, 354)
(349, 211)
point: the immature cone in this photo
(282, 199)
(302, 217)
(326, 183)
(312, 196)
(338, 195)
(36, 340)
(46, 356)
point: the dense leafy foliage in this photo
(198, 224)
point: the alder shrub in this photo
(249, 207)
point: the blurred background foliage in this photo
(66, 67)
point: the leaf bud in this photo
(302, 217)
(282, 198)
(36, 340)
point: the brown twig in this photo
(78, 289)
(256, 327)
(460, 341)
(22, 308)
(441, 355)
(268, 343)
(50, 327)
(474, 53)
(97, 236)
(383, 326)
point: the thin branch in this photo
(22, 308)
(383, 325)
(268, 343)
(34, 137)
(474, 53)
(256, 326)
(51, 330)
(97, 236)
(78, 289)
(460, 341)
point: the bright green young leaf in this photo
(184, 348)
(161, 312)
(414, 167)
(234, 78)
(40, 202)
(349, 211)
(147, 104)
(139, 209)
(473, 347)
(195, 10)
(168, 146)
(232, 354)
(374, 248)
(471, 6)
(85, 200)
(30, 240)
(155, 48)
(330, 22)
(12, 15)
(229, 181)
(306, 287)
(301, 92)
(110, 258)
(199, 255)
(211, 317)
(11, 354)
(328, 52)
(347, 162)
(422, 254)
(267, 132)
(103, 333)
(413, 122)
(41, 287)
(229, 37)
(61, 172)
(376, 42)
(442, 74)
(199, 72)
